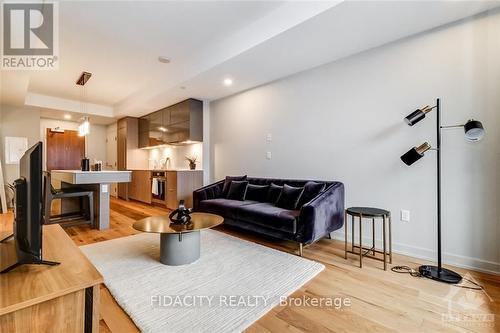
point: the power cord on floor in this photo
(415, 273)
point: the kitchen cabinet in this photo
(180, 186)
(176, 124)
(121, 158)
(140, 187)
(129, 156)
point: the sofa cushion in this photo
(237, 190)
(227, 183)
(266, 214)
(224, 207)
(257, 192)
(273, 193)
(311, 191)
(289, 197)
(212, 192)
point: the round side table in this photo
(375, 214)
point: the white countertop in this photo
(92, 177)
(90, 172)
(163, 170)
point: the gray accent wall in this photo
(344, 121)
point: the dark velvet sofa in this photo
(313, 220)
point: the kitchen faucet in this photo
(164, 163)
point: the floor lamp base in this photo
(443, 275)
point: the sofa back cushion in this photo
(237, 190)
(257, 192)
(289, 197)
(311, 191)
(281, 182)
(227, 183)
(273, 193)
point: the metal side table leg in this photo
(385, 248)
(352, 233)
(390, 239)
(373, 236)
(360, 241)
(345, 227)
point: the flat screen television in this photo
(28, 209)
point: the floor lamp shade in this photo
(474, 130)
(417, 115)
(414, 117)
(414, 154)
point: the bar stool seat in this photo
(375, 214)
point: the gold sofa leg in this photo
(300, 249)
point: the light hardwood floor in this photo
(382, 301)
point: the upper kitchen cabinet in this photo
(176, 124)
(151, 130)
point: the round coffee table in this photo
(179, 243)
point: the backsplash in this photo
(177, 155)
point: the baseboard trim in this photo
(475, 264)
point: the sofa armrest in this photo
(322, 215)
(212, 191)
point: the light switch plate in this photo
(405, 215)
(269, 155)
(104, 188)
(269, 137)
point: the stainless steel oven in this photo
(158, 186)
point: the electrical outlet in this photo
(405, 215)
(269, 155)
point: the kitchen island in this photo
(97, 181)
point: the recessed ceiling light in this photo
(163, 59)
(228, 82)
(67, 116)
(163, 129)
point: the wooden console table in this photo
(62, 298)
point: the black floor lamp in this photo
(474, 131)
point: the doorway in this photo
(65, 150)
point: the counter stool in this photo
(68, 219)
(375, 214)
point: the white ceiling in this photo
(253, 42)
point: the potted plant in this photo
(192, 161)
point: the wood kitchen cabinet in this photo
(128, 154)
(180, 186)
(140, 187)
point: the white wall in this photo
(344, 121)
(17, 121)
(96, 149)
(112, 146)
(112, 153)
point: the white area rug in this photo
(232, 285)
